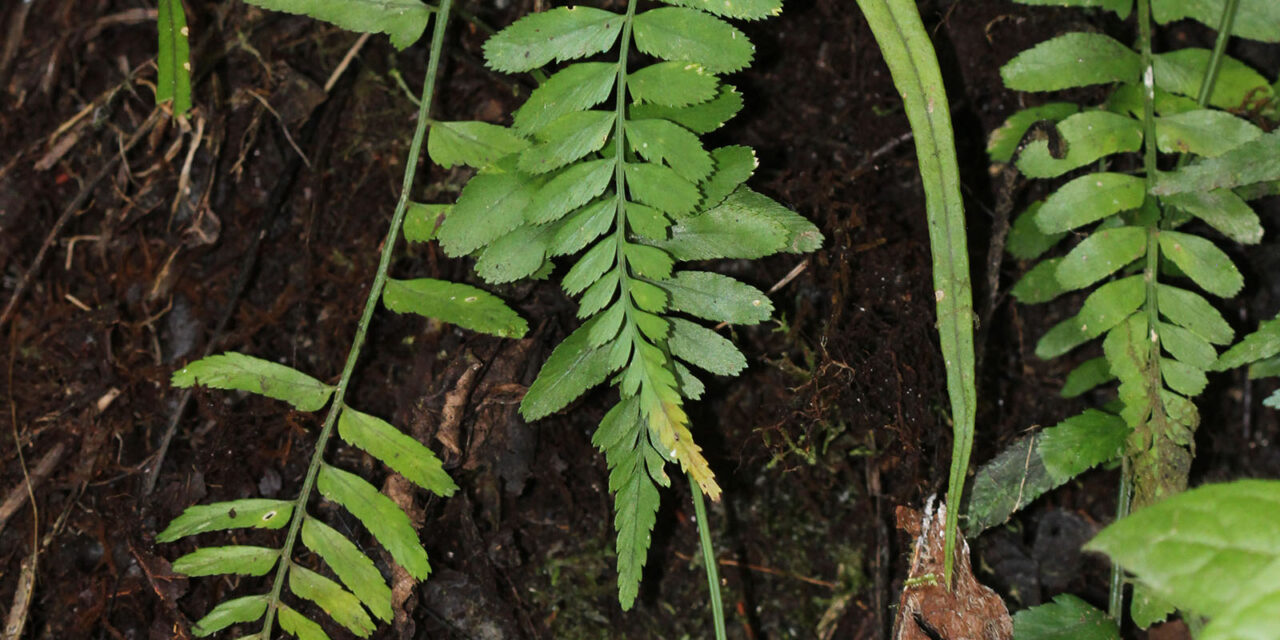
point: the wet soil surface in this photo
(840, 418)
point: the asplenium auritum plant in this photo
(603, 165)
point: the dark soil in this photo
(840, 418)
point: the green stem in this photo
(708, 559)
(370, 304)
(1115, 601)
(1225, 24)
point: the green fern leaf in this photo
(1204, 132)
(705, 348)
(352, 567)
(733, 166)
(607, 325)
(422, 220)
(235, 611)
(802, 235)
(571, 137)
(1039, 284)
(256, 513)
(1192, 312)
(343, 607)
(726, 231)
(1085, 377)
(1257, 346)
(474, 144)
(740, 9)
(574, 88)
(1126, 350)
(403, 20)
(1089, 198)
(403, 454)
(518, 254)
(718, 298)
(659, 140)
(1265, 368)
(1005, 139)
(559, 34)
(1026, 240)
(593, 264)
(1206, 264)
(648, 262)
(572, 368)
(388, 524)
(1067, 617)
(1187, 346)
(455, 303)
(1223, 210)
(1106, 307)
(299, 625)
(583, 226)
(618, 423)
(636, 504)
(662, 188)
(676, 33)
(1078, 444)
(1071, 60)
(246, 373)
(647, 223)
(700, 118)
(1089, 136)
(672, 84)
(1182, 377)
(1101, 255)
(490, 206)
(1237, 83)
(599, 294)
(570, 189)
(242, 560)
(1250, 163)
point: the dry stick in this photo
(18, 495)
(275, 204)
(17, 618)
(70, 210)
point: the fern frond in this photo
(631, 190)
(360, 589)
(1159, 337)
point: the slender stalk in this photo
(370, 304)
(1115, 599)
(708, 559)
(1225, 24)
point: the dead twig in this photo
(346, 61)
(19, 495)
(17, 618)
